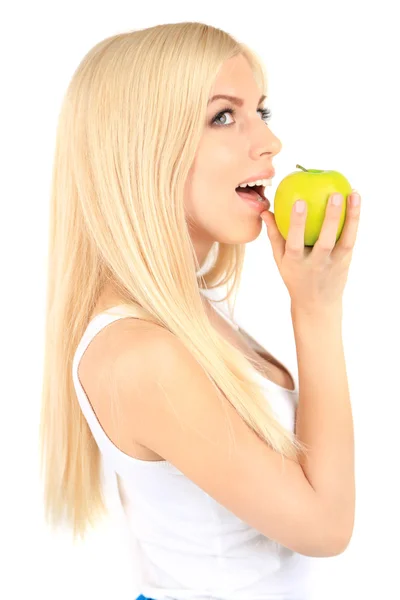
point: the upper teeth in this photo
(263, 182)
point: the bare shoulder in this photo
(115, 340)
(97, 372)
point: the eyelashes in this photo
(265, 113)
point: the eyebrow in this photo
(234, 99)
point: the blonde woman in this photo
(230, 474)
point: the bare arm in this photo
(324, 416)
(172, 408)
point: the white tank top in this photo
(187, 546)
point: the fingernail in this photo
(336, 199)
(300, 205)
(355, 199)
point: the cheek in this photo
(202, 208)
(220, 156)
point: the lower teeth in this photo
(259, 198)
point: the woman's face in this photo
(233, 148)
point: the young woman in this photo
(230, 475)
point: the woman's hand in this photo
(315, 276)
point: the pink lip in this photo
(264, 175)
(266, 205)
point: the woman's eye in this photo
(220, 115)
(265, 112)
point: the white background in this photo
(334, 95)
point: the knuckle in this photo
(347, 245)
(294, 251)
(323, 246)
(353, 212)
(317, 268)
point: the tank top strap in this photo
(225, 316)
(111, 454)
(98, 323)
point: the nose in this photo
(265, 143)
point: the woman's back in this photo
(186, 543)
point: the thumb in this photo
(266, 216)
(277, 241)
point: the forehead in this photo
(236, 81)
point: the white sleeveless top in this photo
(186, 545)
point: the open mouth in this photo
(253, 191)
(254, 195)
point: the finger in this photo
(294, 247)
(327, 237)
(276, 239)
(348, 236)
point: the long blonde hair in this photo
(129, 127)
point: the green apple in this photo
(315, 187)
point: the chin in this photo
(247, 231)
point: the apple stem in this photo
(300, 167)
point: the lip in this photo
(263, 175)
(260, 207)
